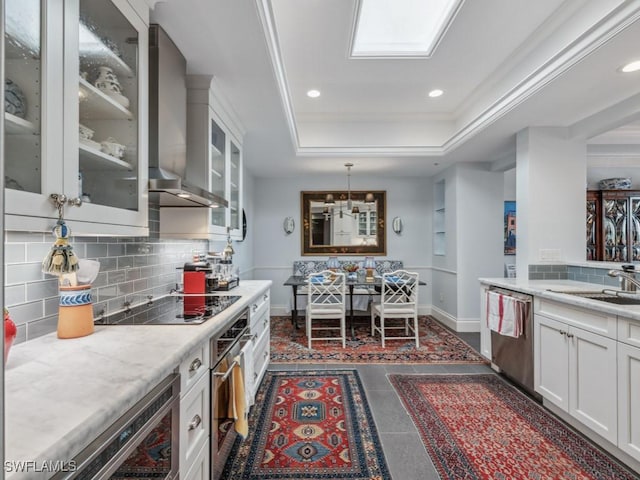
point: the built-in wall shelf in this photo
(439, 218)
(15, 125)
(93, 159)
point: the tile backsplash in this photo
(131, 269)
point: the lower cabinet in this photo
(485, 332)
(629, 399)
(195, 414)
(576, 370)
(261, 333)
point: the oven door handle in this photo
(226, 374)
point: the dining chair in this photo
(326, 295)
(398, 299)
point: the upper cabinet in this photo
(613, 225)
(214, 162)
(76, 115)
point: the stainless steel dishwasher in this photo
(514, 356)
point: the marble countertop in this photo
(61, 394)
(551, 289)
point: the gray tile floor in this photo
(406, 456)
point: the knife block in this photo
(75, 313)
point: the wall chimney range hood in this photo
(168, 129)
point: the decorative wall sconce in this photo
(289, 225)
(396, 224)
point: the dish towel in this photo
(505, 314)
(237, 403)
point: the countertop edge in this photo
(121, 365)
(545, 289)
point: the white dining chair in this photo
(398, 299)
(326, 297)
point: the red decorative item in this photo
(10, 332)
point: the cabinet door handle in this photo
(562, 332)
(266, 321)
(255, 307)
(255, 376)
(195, 422)
(195, 365)
(265, 297)
(266, 354)
(569, 335)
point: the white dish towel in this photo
(505, 314)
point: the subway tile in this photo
(108, 264)
(140, 261)
(124, 262)
(15, 294)
(27, 312)
(21, 337)
(41, 290)
(101, 280)
(97, 250)
(42, 327)
(117, 276)
(139, 285)
(36, 252)
(588, 270)
(86, 239)
(115, 249)
(24, 272)
(596, 279)
(581, 278)
(51, 306)
(15, 253)
(146, 272)
(536, 276)
(558, 268)
(26, 237)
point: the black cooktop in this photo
(172, 310)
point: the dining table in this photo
(356, 285)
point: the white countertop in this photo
(550, 289)
(61, 394)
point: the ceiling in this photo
(503, 66)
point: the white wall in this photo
(551, 179)
(274, 251)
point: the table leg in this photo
(353, 333)
(294, 312)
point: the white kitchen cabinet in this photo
(629, 399)
(260, 330)
(56, 52)
(214, 163)
(575, 369)
(195, 408)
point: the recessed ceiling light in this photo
(631, 67)
(435, 93)
(313, 93)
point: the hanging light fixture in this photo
(354, 208)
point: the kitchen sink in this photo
(606, 297)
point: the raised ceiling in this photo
(503, 66)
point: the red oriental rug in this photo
(309, 425)
(480, 427)
(437, 345)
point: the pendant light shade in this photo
(328, 200)
(369, 198)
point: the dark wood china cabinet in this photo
(613, 225)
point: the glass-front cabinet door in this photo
(235, 179)
(635, 229)
(218, 174)
(77, 122)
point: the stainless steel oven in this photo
(143, 443)
(226, 352)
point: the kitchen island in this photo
(61, 394)
(586, 359)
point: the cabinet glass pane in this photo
(23, 79)
(234, 199)
(217, 171)
(635, 228)
(591, 230)
(108, 106)
(615, 230)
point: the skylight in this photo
(401, 28)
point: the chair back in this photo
(399, 289)
(326, 289)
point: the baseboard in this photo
(455, 324)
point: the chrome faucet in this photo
(627, 276)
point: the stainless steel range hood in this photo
(168, 129)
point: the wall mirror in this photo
(343, 222)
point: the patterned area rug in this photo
(479, 427)
(437, 345)
(309, 425)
